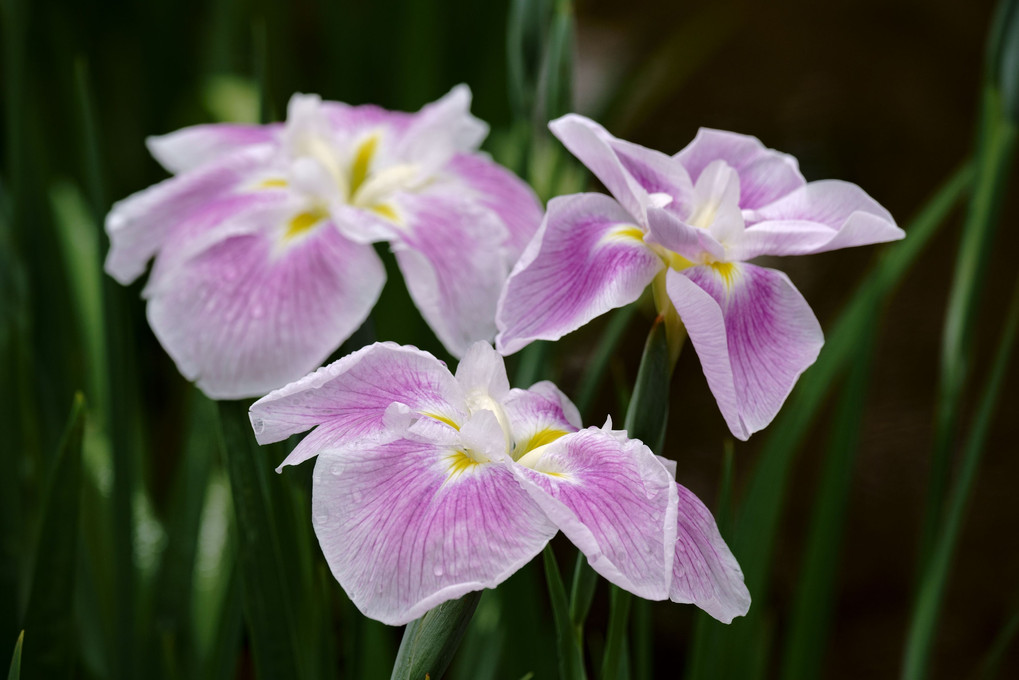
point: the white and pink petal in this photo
(765, 174)
(249, 313)
(352, 400)
(614, 499)
(821, 216)
(454, 263)
(754, 335)
(409, 524)
(704, 571)
(587, 258)
(192, 147)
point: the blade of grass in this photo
(758, 514)
(990, 667)
(49, 619)
(815, 594)
(571, 656)
(994, 160)
(927, 610)
(14, 673)
(265, 584)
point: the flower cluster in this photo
(428, 486)
(690, 222)
(263, 263)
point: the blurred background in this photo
(883, 94)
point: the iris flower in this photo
(262, 239)
(428, 486)
(689, 223)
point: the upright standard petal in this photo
(254, 311)
(754, 335)
(349, 399)
(816, 218)
(409, 524)
(441, 130)
(501, 191)
(764, 174)
(614, 499)
(191, 147)
(631, 173)
(588, 257)
(453, 260)
(704, 572)
(139, 224)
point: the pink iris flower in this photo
(689, 223)
(429, 485)
(262, 239)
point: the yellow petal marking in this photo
(459, 462)
(386, 211)
(302, 222)
(543, 436)
(272, 184)
(362, 163)
(727, 270)
(441, 419)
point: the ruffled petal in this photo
(613, 498)
(252, 312)
(754, 335)
(816, 218)
(440, 130)
(139, 224)
(765, 174)
(538, 416)
(349, 400)
(630, 172)
(191, 147)
(501, 191)
(704, 571)
(409, 524)
(453, 262)
(586, 259)
(675, 235)
(482, 371)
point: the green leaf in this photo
(927, 609)
(49, 618)
(571, 656)
(815, 594)
(596, 367)
(430, 642)
(648, 412)
(613, 662)
(585, 580)
(558, 68)
(759, 513)
(265, 572)
(995, 157)
(990, 667)
(15, 671)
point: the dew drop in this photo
(258, 311)
(337, 468)
(437, 570)
(321, 518)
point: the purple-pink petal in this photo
(408, 524)
(139, 224)
(754, 335)
(454, 263)
(248, 313)
(765, 174)
(586, 259)
(704, 571)
(630, 172)
(501, 191)
(191, 147)
(348, 400)
(612, 497)
(816, 218)
(538, 416)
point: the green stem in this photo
(615, 639)
(430, 642)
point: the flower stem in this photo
(430, 642)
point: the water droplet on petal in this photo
(437, 570)
(321, 517)
(337, 468)
(257, 311)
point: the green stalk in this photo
(14, 673)
(923, 623)
(571, 656)
(430, 642)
